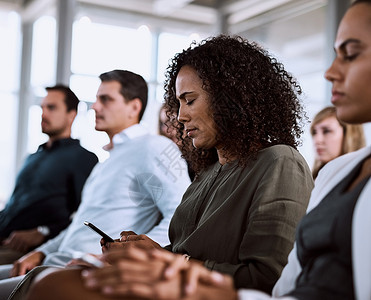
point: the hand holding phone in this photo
(106, 237)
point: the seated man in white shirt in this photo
(137, 188)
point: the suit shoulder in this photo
(84, 153)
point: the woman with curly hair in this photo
(252, 99)
(240, 111)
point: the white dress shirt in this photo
(137, 188)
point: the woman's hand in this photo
(133, 266)
(155, 274)
(194, 273)
(130, 238)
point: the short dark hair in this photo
(132, 86)
(70, 98)
(254, 101)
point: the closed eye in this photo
(350, 57)
(350, 49)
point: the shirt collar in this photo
(129, 133)
(58, 143)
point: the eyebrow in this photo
(103, 96)
(183, 95)
(48, 105)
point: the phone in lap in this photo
(106, 237)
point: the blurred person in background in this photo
(164, 125)
(165, 128)
(48, 187)
(332, 137)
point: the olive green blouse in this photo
(242, 220)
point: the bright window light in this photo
(98, 48)
(44, 52)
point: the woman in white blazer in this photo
(327, 179)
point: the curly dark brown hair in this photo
(253, 100)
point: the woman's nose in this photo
(333, 72)
(183, 115)
(318, 138)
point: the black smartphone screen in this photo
(106, 237)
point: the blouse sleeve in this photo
(279, 202)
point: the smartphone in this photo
(106, 237)
(91, 260)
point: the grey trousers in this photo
(17, 287)
(7, 284)
(21, 289)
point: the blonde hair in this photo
(353, 135)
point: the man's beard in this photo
(53, 132)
